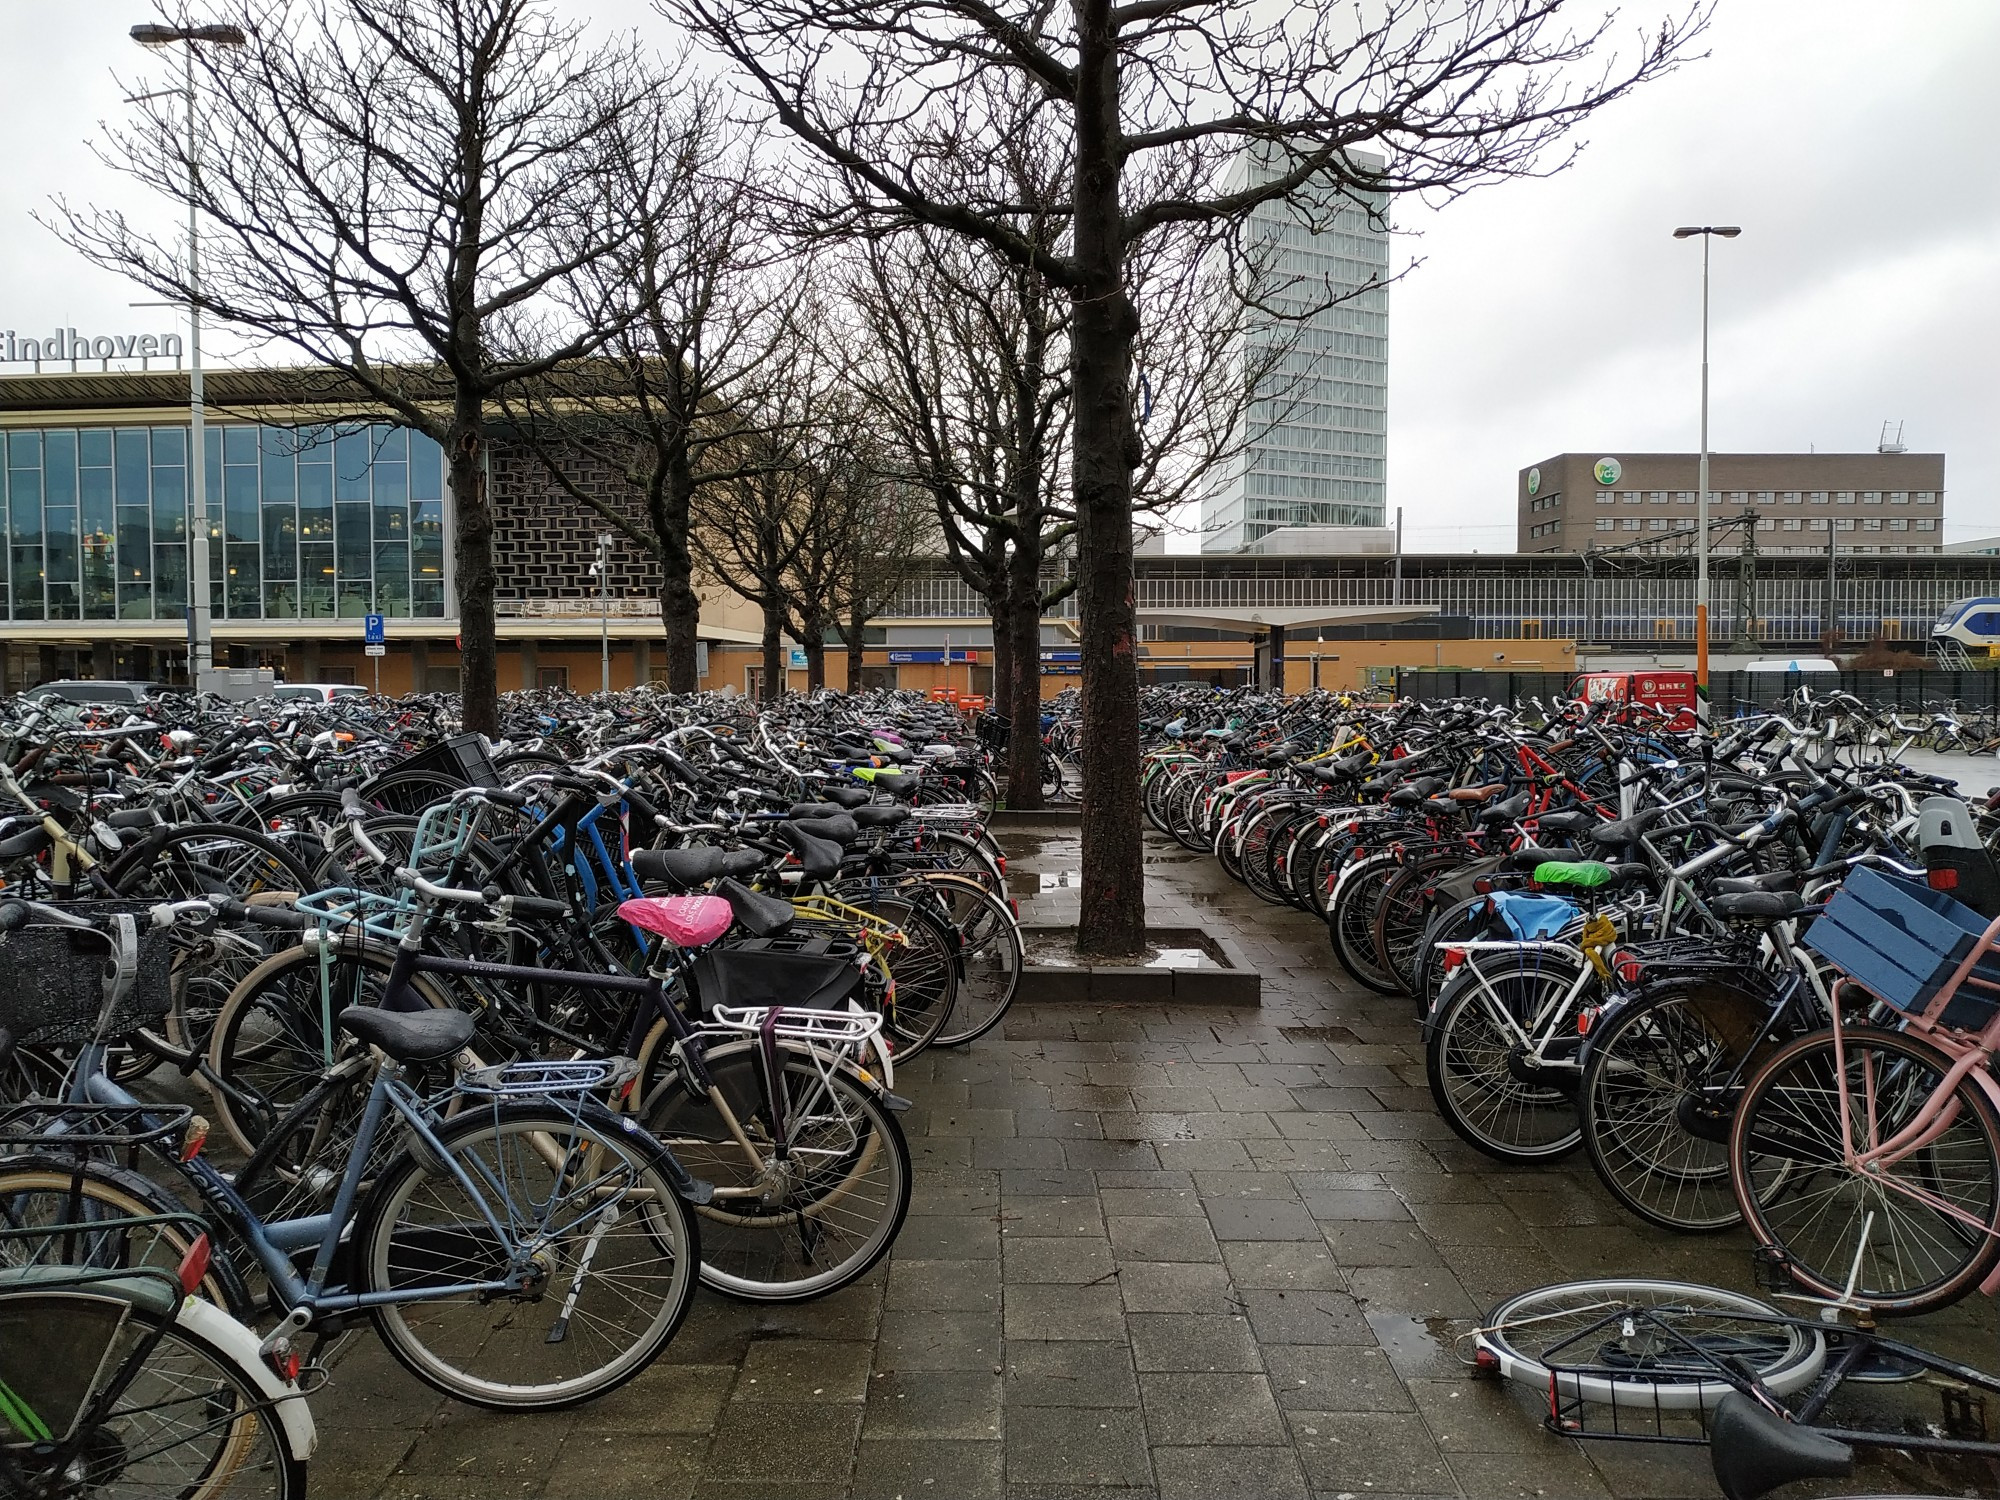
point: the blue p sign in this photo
(371, 630)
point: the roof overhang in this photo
(1286, 619)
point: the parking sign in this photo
(371, 630)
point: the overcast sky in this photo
(1854, 141)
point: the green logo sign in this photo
(1534, 480)
(1609, 470)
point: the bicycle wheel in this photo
(925, 972)
(819, 1206)
(1914, 1234)
(1485, 1086)
(1608, 1359)
(604, 1252)
(270, 1042)
(206, 859)
(1351, 921)
(187, 1422)
(1660, 1144)
(39, 1191)
(990, 955)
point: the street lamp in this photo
(602, 568)
(201, 647)
(1706, 232)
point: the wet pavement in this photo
(1153, 1251)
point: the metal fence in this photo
(1730, 692)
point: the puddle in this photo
(1419, 1345)
(1061, 880)
(1178, 958)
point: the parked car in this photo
(316, 692)
(105, 690)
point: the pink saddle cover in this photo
(684, 921)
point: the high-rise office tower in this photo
(1315, 450)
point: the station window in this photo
(1791, 523)
(1871, 497)
(1656, 497)
(1607, 523)
(1789, 497)
(1818, 497)
(1843, 497)
(1631, 523)
(1926, 523)
(1633, 497)
(1658, 523)
(1871, 523)
(1899, 497)
(1605, 497)
(1899, 523)
(1684, 497)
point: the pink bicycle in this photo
(1867, 1155)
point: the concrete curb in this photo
(1130, 984)
(1069, 816)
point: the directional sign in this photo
(371, 630)
(376, 650)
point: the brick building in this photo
(1889, 503)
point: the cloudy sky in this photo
(1854, 141)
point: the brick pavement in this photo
(1153, 1251)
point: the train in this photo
(1967, 628)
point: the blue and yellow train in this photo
(1966, 628)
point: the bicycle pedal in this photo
(1771, 1269)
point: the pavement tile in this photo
(1069, 1373)
(1047, 1218)
(1158, 1202)
(1050, 1312)
(1260, 1219)
(944, 1285)
(938, 1341)
(1335, 1377)
(1306, 1317)
(1159, 1286)
(933, 1404)
(597, 1465)
(1004, 1152)
(1078, 1447)
(798, 1443)
(1075, 1260)
(804, 1370)
(1175, 1238)
(904, 1469)
(1192, 1409)
(1373, 1451)
(1282, 1265)
(1191, 1341)
(1232, 1473)
(946, 1237)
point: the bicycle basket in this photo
(462, 760)
(764, 977)
(54, 978)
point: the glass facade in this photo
(1317, 454)
(304, 522)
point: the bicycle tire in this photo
(189, 1423)
(1786, 1138)
(1527, 1328)
(1469, 1061)
(738, 1244)
(414, 1230)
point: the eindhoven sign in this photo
(68, 344)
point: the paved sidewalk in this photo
(1152, 1251)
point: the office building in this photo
(1316, 447)
(1884, 502)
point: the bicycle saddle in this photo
(814, 810)
(896, 783)
(1754, 1452)
(411, 1036)
(686, 868)
(30, 840)
(847, 796)
(839, 829)
(759, 915)
(1470, 794)
(1767, 906)
(1507, 811)
(1625, 830)
(1571, 820)
(1529, 855)
(1774, 880)
(883, 816)
(684, 921)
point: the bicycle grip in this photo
(539, 907)
(351, 804)
(268, 916)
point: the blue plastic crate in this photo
(1902, 940)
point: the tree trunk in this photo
(680, 608)
(774, 664)
(854, 651)
(479, 666)
(1021, 697)
(1105, 452)
(1002, 655)
(814, 640)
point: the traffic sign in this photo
(377, 650)
(372, 632)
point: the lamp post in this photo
(201, 647)
(1706, 232)
(602, 568)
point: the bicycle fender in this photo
(689, 1187)
(288, 1402)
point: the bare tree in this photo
(965, 360)
(667, 404)
(1155, 98)
(882, 556)
(398, 189)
